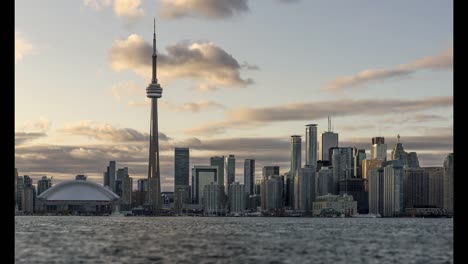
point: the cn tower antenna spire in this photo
(154, 79)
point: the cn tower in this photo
(154, 91)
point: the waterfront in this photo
(68, 239)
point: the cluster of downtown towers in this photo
(377, 185)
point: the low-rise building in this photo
(342, 204)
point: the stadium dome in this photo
(78, 197)
(78, 190)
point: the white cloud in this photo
(23, 47)
(204, 62)
(129, 9)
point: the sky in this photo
(238, 77)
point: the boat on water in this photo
(365, 216)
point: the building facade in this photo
(181, 179)
(212, 199)
(416, 188)
(249, 176)
(219, 161)
(305, 182)
(237, 197)
(325, 181)
(311, 145)
(43, 184)
(342, 163)
(341, 204)
(327, 140)
(436, 186)
(201, 176)
(379, 148)
(230, 168)
(448, 183)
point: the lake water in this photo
(76, 239)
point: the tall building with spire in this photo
(328, 140)
(399, 153)
(154, 91)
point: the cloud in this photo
(248, 117)
(23, 47)
(419, 118)
(69, 160)
(442, 61)
(97, 5)
(107, 132)
(205, 62)
(211, 9)
(130, 10)
(193, 107)
(22, 137)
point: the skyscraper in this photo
(249, 176)
(399, 153)
(304, 188)
(311, 145)
(416, 188)
(112, 177)
(413, 161)
(218, 161)
(154, 91)
(271, 192)
(181, 178)
(201, 176)
(325, 181)
(43, 184)
(328, 140)
(16, 189)
(230, 167)
(393, 190)
(376, 200)
(212, 199)
(237, 197)
(379, 148)
(342, 162)
(448, 183)
(270, 170)
(19, 192)
(436, 186)
(370, 164)
(359, 156)
(296, 160)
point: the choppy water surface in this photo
(73, 239)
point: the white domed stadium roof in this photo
(78, 190)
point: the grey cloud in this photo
(108, 132)
(22, 137)
(202, 61)
(249, 117)
(442, 61)
(211, 9)
(93, 159)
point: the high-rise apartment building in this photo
(311, 145)
(249, 176)
(230, 168)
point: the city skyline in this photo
(396, 90)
